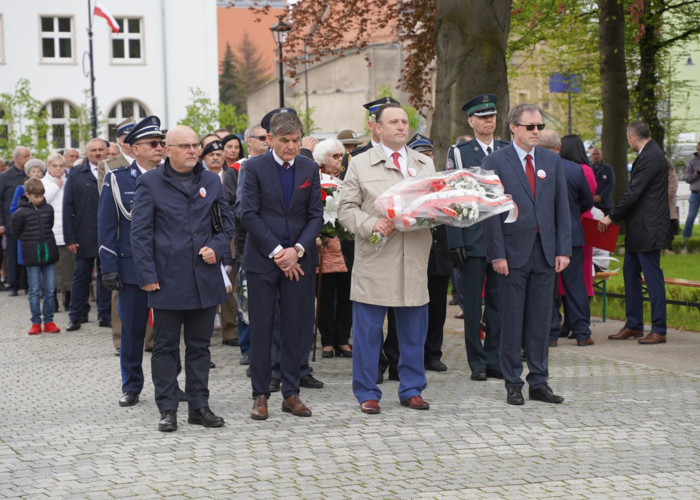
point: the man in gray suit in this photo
(527, 252)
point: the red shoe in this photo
(35, 329)
(51, 327)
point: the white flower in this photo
(330, 210)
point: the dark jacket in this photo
(439, 263)
(692, 173)
(580, 199)
(231, 182)
(9, 180)
(644, 206)
(80, 202)
(605, 178)
(33, 227)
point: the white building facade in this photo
(164, 48)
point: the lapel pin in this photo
(541, 174)
(412, 172)
(202, 192)
(476, 148)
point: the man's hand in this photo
(597, 199)
(151, 287)
(309, 143)
(112, 281)
(208, 255)
(228, 269)
(501, 267)
(384, 226)
(604, 223)
(73, 248)
(286, 259)
(2, 229)
(560, 263)
(458, 256)
(294, 273)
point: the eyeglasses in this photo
(337, 156)
(262, 138)
(186, 147)
(153, 144)
(530, 128)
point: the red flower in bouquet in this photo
(323, 195)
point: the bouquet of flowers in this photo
(457, 198)
(330, 196)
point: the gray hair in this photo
(55, 156)
(250, 131)
(34, 163)
(639, 129)
(549, 139)
(326, 148)
(285, 124)
(515, 113)
(18, 151)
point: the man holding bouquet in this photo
(396, 275)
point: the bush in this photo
(692, 246)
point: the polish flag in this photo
(101, 11)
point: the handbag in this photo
(217, 221)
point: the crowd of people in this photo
(173, 234)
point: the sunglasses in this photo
(262, 138)
(153, 144)
(530, 128)
(337, 156)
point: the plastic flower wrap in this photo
(330, 196)
(242, 293)
(457, 198)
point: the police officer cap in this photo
(374, 106)
(421, 143)
(265, 122)
(348, 136)
(125, 126)
(148, 127)
(481, 105)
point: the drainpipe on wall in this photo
(166, 115)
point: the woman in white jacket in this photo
(53, 184)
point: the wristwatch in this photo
(300, 251)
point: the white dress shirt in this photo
(403, 158)
(485, 147)
(522, 153)
(93, 169)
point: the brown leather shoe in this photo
(371, 407)
(259, 408)
(625, 334)
(416, 403)
(294, 405)
(584, 343)
(553, 344)
(653, 338)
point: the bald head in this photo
(596, 156)
(182, 148)
(549, 139)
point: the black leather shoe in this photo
(479, 375)
(211, 365)
(435, 365)
(245, 360)
(3, 288)
(12, 292)
(247, 372)
(494, 373)
(380, 379)
(343, 353)
(309, 382)
(231, 342)
(105, 323)
(73, 326)
(129, 399)
(118, 352)
(545, 394)
(204, 416)
(328, 354)
(453, 301)
(394, 376)
(515, 396)
(148, 349)
(181, 395)
(274, 385)
(168, 421)
(84, 319)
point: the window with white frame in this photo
(63, 124)
(4, 129)
(57, 39)
(127, 45)
(2, 44)
(121, 111)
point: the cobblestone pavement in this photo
(625, 431)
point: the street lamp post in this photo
(279, 33)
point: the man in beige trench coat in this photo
(395, 276)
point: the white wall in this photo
(191, 38)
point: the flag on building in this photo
(101, 11)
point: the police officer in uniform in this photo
(468, 249)
(181, 227)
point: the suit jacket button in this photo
(191, 205)
(195, 235)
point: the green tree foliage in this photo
(203, 115)
(231, 89)
(241, 73)
(25, 122)
(306, 116)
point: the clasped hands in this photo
(560, 263)
(286, 260)
(208, 256)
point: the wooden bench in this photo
(600, 280)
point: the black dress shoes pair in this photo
(12, 292)
(435, 365)
(204, 416)
(168, 421)
(274, 385)
(543, 393)
(309, 382)
(129, 399)
(479, 375)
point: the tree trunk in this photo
(648, 81)
(471, 39)
(616, 101)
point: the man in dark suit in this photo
(526, 253)
(576, 306)
(80, 201)
(605, 178)
(282, 211)
(178, 240)
(9, 180)
(644, 207)
(468, 249)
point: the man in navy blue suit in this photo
(526, 253)
(577, 307)
(282, 212)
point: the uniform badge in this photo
(202, 192)
(450, 164)
(605, 177)
(412, 172)
(541, 174)
(476, 148)
(133, 173)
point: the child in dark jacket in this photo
(32, 225)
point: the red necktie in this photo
(285, 165)
(395, 156)
(530, 173)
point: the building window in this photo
(4, 130)
(121, 111)
(56, 39)
(127, 45)
(2, 45)
(63, 124)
